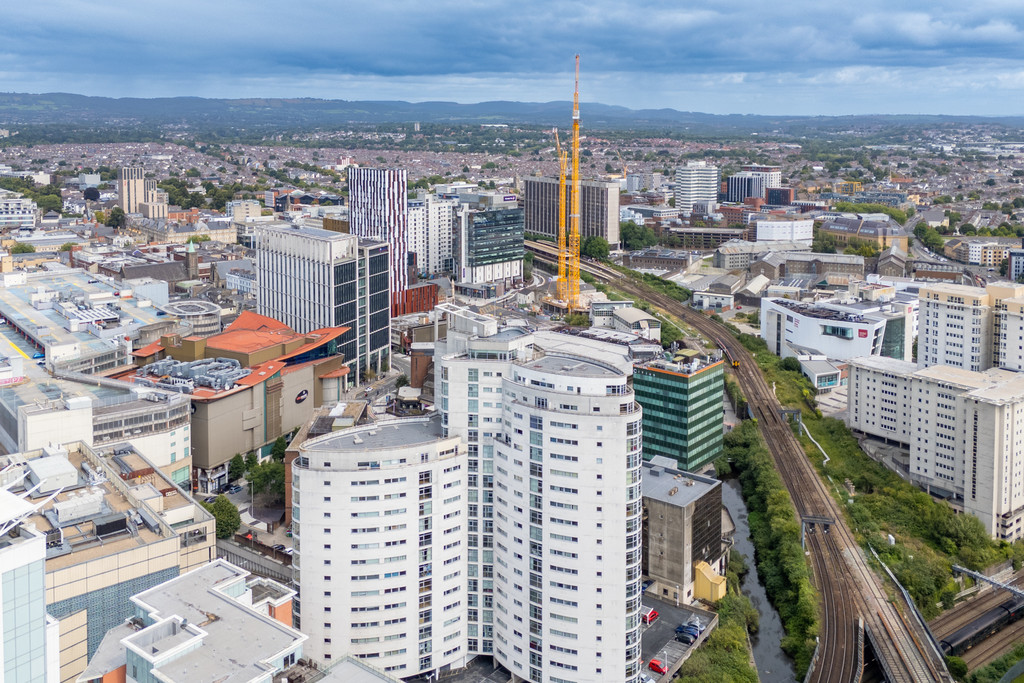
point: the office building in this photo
(682, 403)
(743, 185)
(682, 533)
(559, 563)
(312, 279)
(697, 181)
(31, 652)
(779, 196)
(599, 208)
(381, 537)
(959, 430)
(433, 224)
(113, 525)
(785, 229)
(490, 246)
(379, 211)
(16, 210)
(877, 230)
(1015, 264)
(840, 335)
(131, 188)
(772, 174)
(739, 254)
(217, 623)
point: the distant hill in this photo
(63, 108)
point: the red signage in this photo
(862, 333)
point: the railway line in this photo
(849, 590)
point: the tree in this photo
(68, 246)
(268, 478)
(635, 236)
(1002, 268)
(117, 218)
(252, 461)
(195, 239)
(91, 194)
(957, 667)
(791, 364)
(279, 447)
(401, 381)
(22, 248)
(596, 247)
(578, 320)
(226, 515)
(236, 467)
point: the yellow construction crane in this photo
(573, 257)
(624, 169)
(563, 162)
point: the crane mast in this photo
(562, 282)
(573, 256)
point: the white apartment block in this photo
(432, 226)
(16, 210)
(380, 528)
(957, 324)
(962, 429)
(554, 500)
(696, 182)
(786, 230)
(1008, 333)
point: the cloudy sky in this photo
(743, 56)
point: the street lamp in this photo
(677, 595)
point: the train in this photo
(735, 362)
(992, 621)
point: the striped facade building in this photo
(379, 210)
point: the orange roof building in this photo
(252, 383)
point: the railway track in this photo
(994, 646)
(969, 610)
(848, 588)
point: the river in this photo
(773, 665)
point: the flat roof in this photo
(228, 623)
(663, 481)
(380, 436)
(575, 367)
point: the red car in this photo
(657, 667)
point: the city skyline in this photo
(745, 58)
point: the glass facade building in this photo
(683, 411)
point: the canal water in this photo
(773, 665)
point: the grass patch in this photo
(930, 536)
(724, 656)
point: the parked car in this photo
(209, 499)
(685, 638)
(649, 615)
(645, 585)
(279, 546)
(37, 356)
(657, 667)
(234, 489)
